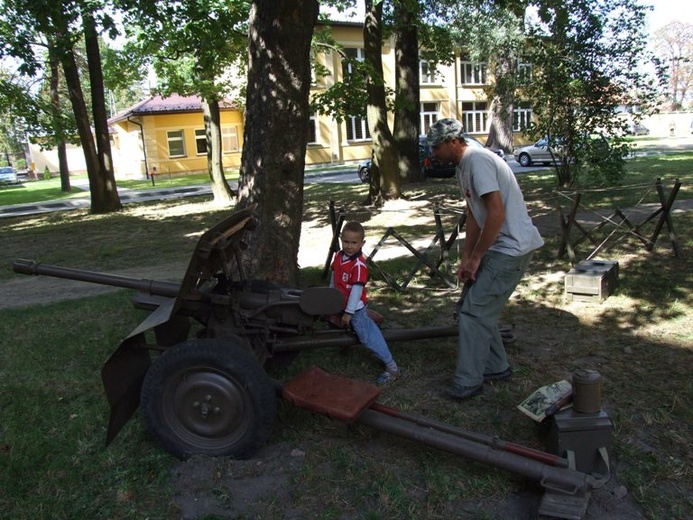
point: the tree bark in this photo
(104, 194)
(406, 127)
(223, 196)
(276, 132)
(384, 151)
(502, 97)
(55, 102)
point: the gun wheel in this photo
(208, 397)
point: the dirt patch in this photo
(265, 486)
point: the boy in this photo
(349, 275)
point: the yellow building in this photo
(168, 134)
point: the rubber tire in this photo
(208, 397)
(524, 160)
(364, 174)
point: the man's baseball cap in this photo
(444, 130)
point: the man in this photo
(499, 244)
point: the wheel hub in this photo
(210, 405)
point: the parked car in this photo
(473, 141)
(8, 175)
(364, 171)
(538, 152)
(432, 168)
(638, 129)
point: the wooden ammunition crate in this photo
(591, 280)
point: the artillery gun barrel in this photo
(169, 289)
(334, 338)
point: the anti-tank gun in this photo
(195, 365)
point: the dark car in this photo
(364, 171)
(432, 168)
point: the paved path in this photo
(334, 174)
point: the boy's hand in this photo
(346, 320)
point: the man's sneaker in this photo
(499, 376)
(460, 393)
(388, 376)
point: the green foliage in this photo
(587, 60)
(182, 41)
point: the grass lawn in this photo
(53, 415)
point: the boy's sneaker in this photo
(388, 376)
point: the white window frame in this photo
(475, 116)
(428, 73)
(524, 71)
(522, 118)
(473, 73)
(357, 129)
(353, 52)
(173, 138)
(429, 112)
(229, 139)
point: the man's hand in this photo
(466, 272)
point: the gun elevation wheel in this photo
(208, 397)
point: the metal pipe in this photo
(562, 480)
(347, 339)
(542, 456)
(169, 289)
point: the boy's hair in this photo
(354, 227)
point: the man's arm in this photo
(478, 240)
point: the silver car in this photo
(538, 152)
(8, 175)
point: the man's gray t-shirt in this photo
(481, 172)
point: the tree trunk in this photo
(502, 97)
(55, 102)
(104, 194)
(384, 151)
(276, 132)
(79, 108)
(407, 92)
(500, 134)
(223, 196)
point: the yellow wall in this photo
(128, 143)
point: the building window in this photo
(357, 129)
(524, 71)
(429, 115)
(354, 54)
(475, 117)
(428, 74)
(229, 139)
(522, 117)
(176, 143)
(201, 141)
(473, 73)
(313, 130)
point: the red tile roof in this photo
(158, 105)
